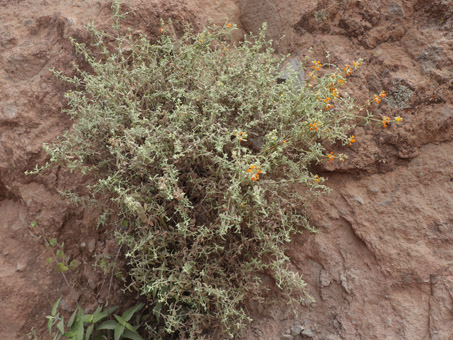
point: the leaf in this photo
(78, 324)
(88, 318)
(130, 335)
(112, 309)
(49, 260)
(60, 326)
(127, 315)
(53, 242)
(49, 326)
(72, 318)
(119, 329)
(99, 337)
(88, 332)
(74, 264)
(130, 327)
(60, 253)
(55, 306)
(109, 324)
(121, 320)
(98, 315)
(156, 310)
(34, 224)
(60, 267)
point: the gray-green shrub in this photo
(205, 157)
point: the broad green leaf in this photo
(72, 318)
(60, 253)
(119, 329)
(131, 335)
(127, 315)
(53, 242)
(74, 264)
(88, 332)
(109, 324)
(60, 267)
(130, 327)
(88, 318)
(60, 326)
(121, 320)
(112, 309)
(98, 316)
(78, 325)
(55, 306)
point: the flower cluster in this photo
(351, 140)
(348, 69)
(255, 172)
(377, 98)
(240, 135)
(313, 126)
(386, 120)
(317, 65)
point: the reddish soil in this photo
(381, 266)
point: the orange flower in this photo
(385, 121)
(229, 25)
(317, 65)
(398, 119)
(331, 157)
(351, 140)
(313, 126)
(383, 94)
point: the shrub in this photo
(205, 157)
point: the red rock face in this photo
(380, 266)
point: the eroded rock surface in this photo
(381, 265)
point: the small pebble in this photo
(20, 266)
(91, 245)
(308, 333)
(296, 329)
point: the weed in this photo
(320, 15)
(82, 326)
(62, 263)
(400, 96)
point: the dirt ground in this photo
(381, 266)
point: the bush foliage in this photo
(205, 157)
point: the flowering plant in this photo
(206, 157)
